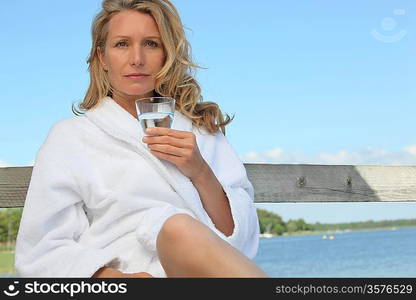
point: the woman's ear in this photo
(101, 58)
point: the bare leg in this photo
(188, 248)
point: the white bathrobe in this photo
(98, 197)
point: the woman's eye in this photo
(151, 43)
(121, 44)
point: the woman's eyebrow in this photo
(127, 37)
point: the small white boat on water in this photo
(266, 235)
(331, 237)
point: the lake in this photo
(377, 253)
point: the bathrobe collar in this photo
(120, 124)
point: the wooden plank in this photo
(332, 183)
(14, 182)
(277, 183)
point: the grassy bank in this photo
(7, 262)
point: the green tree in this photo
(301, 225)
(279, 229)
(270, 222)
(9, 223)
(291, 226)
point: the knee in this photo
(179, 228)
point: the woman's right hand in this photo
(106, 272)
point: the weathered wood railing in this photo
(276, 183)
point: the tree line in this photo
(272, 223)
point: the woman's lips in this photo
(137, 77)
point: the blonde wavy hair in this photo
(174, 80)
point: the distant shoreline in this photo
(336, 231)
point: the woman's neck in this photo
(128, 101)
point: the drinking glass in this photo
(155, 112)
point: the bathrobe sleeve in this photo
(53, 219)
(231, 173)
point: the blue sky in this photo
(323, 82)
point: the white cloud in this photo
(365, 156)
(4, 164)
(411, 149)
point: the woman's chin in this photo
(140, 93)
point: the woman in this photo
(107, 201)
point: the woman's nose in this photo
(136, 56)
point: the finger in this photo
(168, 149)
(169, 132)
(164, 139)
(169, 157)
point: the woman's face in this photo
(133, 47)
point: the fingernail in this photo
(149, 130)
